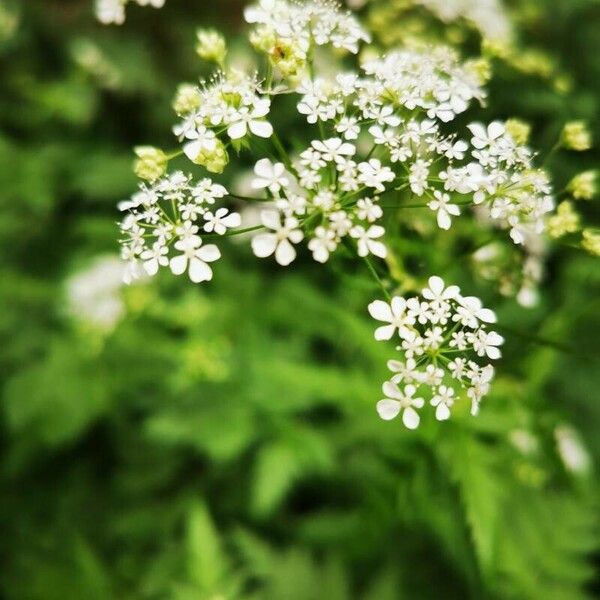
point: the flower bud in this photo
(151, 162)
(590, 241)
(211, 45)
(214, 159)
(186, 99)
(576, 136)
(481, 68)
(583, 185)
(566, 220)
(518, 130)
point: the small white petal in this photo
(285, 253)
(380, 310)
(178, 264)
(264, 245)
(388, 409)
(199, 271)
(262, 129)
(442, 412)
(410, 418)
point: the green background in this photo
(221, 442)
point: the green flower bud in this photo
(583, 185)
(566, 220)
(151, 162)
(186, 99)
(211, 45)
(590, 241)
(518, 130)
(214, 160)
(576, 136)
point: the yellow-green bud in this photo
(187, 99)
(518, 130)
(583, 185)
(481, 68)
(151, 162)
(263, 38)
(211, 45)
(214, 160)
(590, 241)
(576, 136)
(566, 220)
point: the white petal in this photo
(285, 253)
(384, 333)
(493, 352)
(237, 130)
(391, 390)
(264, 168)
(192, 149)
(442, 412)
(262, 129)
(378, 249)
(388, 409)
(208, 253)
(380, 311)
(486, 315)
(410, 418)
(151, 266)
(199, 271)
(398, 305)
(232, 220)
(178, 264)
(270, 219)
(436, 285)
(495, 129)
(443, 220)
(264, 245)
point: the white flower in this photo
(393, 313)
(372, 174)
(470, 311)
(404, 371)
(486, 344)
(334, 149)
(322, 244)
(221, 221)
(438, 292)
(195, 256)
(484, 137)
(348, 127)
(280, 241)
(202, 140)
(155, 257)
(367, 240)
(397, 400)
(270, 175)
(368, 210)
(251, 118)
(444, 209)
(443, 401)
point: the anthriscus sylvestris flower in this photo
(445, 349)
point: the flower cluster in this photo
(286, 31)
(112, 12)
(224, 106)
(330, 194)
(442, 335)
(163, 224)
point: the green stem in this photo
(377, 278)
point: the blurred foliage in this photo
(221, 442)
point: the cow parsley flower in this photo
(432, 330)
(163, 222)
